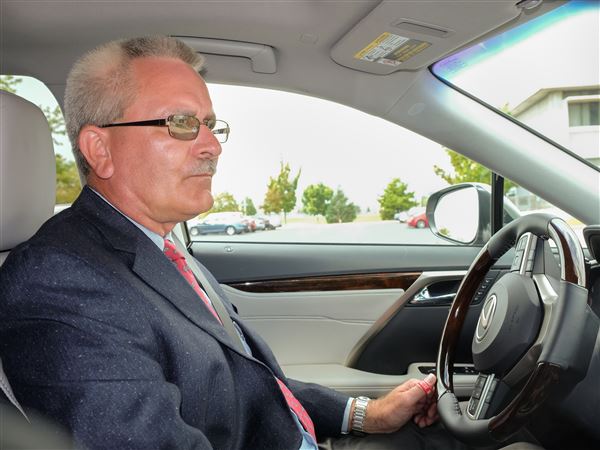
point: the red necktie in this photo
(179, 260)
(298, 409)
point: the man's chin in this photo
(203, 204)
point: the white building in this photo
(568, 115)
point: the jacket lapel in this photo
(149, 263)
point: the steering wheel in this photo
(533, 330)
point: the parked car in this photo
(401, 216)
(441, 75)
(274, 221)
(261, 223)
(250, 223)
(418, 221)
(215, 223)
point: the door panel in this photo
(313, 327)
(361, 340)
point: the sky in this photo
(345, 148)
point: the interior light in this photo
(529, 4)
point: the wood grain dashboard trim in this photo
(385, 280)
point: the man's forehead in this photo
(173, 84)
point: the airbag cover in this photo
(508, 324)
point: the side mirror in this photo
(461, 213)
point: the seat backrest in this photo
(27, 171)
(27, 181)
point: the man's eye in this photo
(210, 123)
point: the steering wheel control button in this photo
(529, 252)
(472, 409)
(481, 396)
(490, 392)
(479, 384)
(508, 324)
(484, 287)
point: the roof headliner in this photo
(43, 38)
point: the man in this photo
(105, 329)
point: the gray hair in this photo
(100, 85)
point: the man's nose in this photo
(206, 143)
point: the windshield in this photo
(544, 74)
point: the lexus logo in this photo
(485, 318)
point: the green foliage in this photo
(224, 202)
(68, 186)
(466, 170)
(395, 198)
(340, 210)
(56, 121)
(281, 192)
(9, 83)
(249, 209)
(273, 202)
(316, 198)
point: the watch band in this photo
(360, 414)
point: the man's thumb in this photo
(427, 385)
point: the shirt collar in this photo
(154, 237)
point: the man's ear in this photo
(94, 143)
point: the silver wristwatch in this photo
(360, 414)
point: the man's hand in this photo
(414, 399)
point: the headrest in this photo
(27, 170)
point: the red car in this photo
(418, 221)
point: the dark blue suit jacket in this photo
(99, 331)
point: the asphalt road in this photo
(384, 232)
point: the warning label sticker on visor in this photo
(391, 49)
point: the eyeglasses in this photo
(182, 126)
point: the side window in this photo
(67, 178)
(528, 203)
(301, 169)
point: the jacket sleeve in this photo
(324, 405)
(75, 357)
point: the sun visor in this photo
(411, 35)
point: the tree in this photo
(281, 192)
(273, 200)
(249, 209)
(224, 202)
(466, 170)
(316, 198)
(340, 210)
(56, 121)
(68, 185)
(67, 180)
(395, 198)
